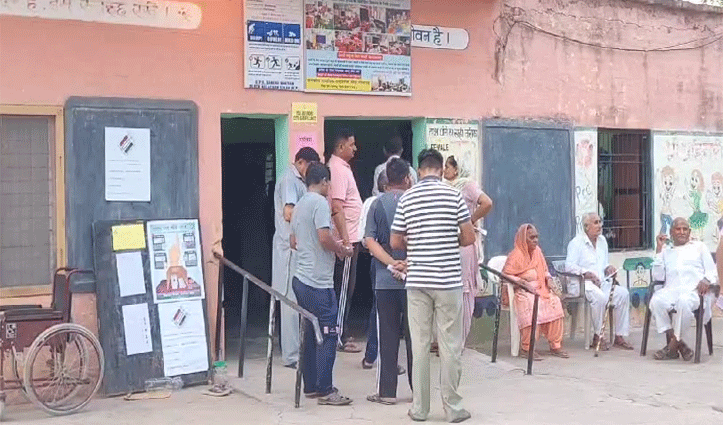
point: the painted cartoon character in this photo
(714, 199)
(667, 175)
(699, 219)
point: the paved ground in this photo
(618, 387)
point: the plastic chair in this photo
(699, 325)
(497, 263)
(573, 294)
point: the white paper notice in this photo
(137, 327)
(183, 337)
(128, 164)
(130, 273)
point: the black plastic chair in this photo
(699, 326)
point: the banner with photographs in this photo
(358, 46)
(273, 45)
(174, 250)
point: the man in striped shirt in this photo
(431, 223)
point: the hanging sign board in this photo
(434, 37)
(149, 13)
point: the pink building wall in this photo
(45, 61)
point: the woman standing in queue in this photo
(479, 205)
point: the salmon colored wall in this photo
(46, 61)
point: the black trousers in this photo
(346, 306)
(391, 323)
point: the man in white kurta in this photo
(688, 270)
(587, 254)
(289, 189)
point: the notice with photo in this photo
(360, 47)
(174, 251)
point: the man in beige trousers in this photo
(431, 223)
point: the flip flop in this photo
(535, 356)
(349, 347)
(560, 353)
(375, 398)
(666, 354)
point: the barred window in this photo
(625, 188)
(27, 255)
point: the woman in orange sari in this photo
(527, 263)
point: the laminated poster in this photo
(360, 47)
(174, 251)
(183, 337)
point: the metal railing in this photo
(531, 351)
(305, 315)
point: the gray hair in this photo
(382, 181)
(586, 219)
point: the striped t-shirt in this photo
(429, 214)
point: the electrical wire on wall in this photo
(514, 16)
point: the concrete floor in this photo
(616, 388)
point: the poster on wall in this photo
(361, 46)
(273, 51)
(183, 337)
(459, 138)
(174, 250)
(689, 183)
(585, 174)
(127, 164)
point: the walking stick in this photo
(342, 300)
(605, 314)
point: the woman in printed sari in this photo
(479, 205)
(527, 264)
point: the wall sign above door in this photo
(433, 37)
(149, 13)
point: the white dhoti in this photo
(282, 267)
(598, 299)
(684, 302)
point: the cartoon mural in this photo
(683, 163)
(585, 174)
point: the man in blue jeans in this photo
(313, 283)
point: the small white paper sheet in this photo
(130, 273)
(183, 337)
(137, 328)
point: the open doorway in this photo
(370, 136)
(248, 159)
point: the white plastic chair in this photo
(497, 263)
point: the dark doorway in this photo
(248, 161)
(370, 137)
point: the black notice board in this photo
(174, 167)
(528, 174)
(125, 374)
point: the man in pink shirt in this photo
(346, 207)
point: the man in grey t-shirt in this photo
(391, 298)
(313, 283)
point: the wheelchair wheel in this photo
(63, 369)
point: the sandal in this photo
(375, 398)
(535, 356)
(622, 344)
(685, 352)
(604, 346)
(560, 353)
(666, 354)
(366, 365)
(349, 347)
(334, 399)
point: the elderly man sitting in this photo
(688, 270)
(587, 254)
